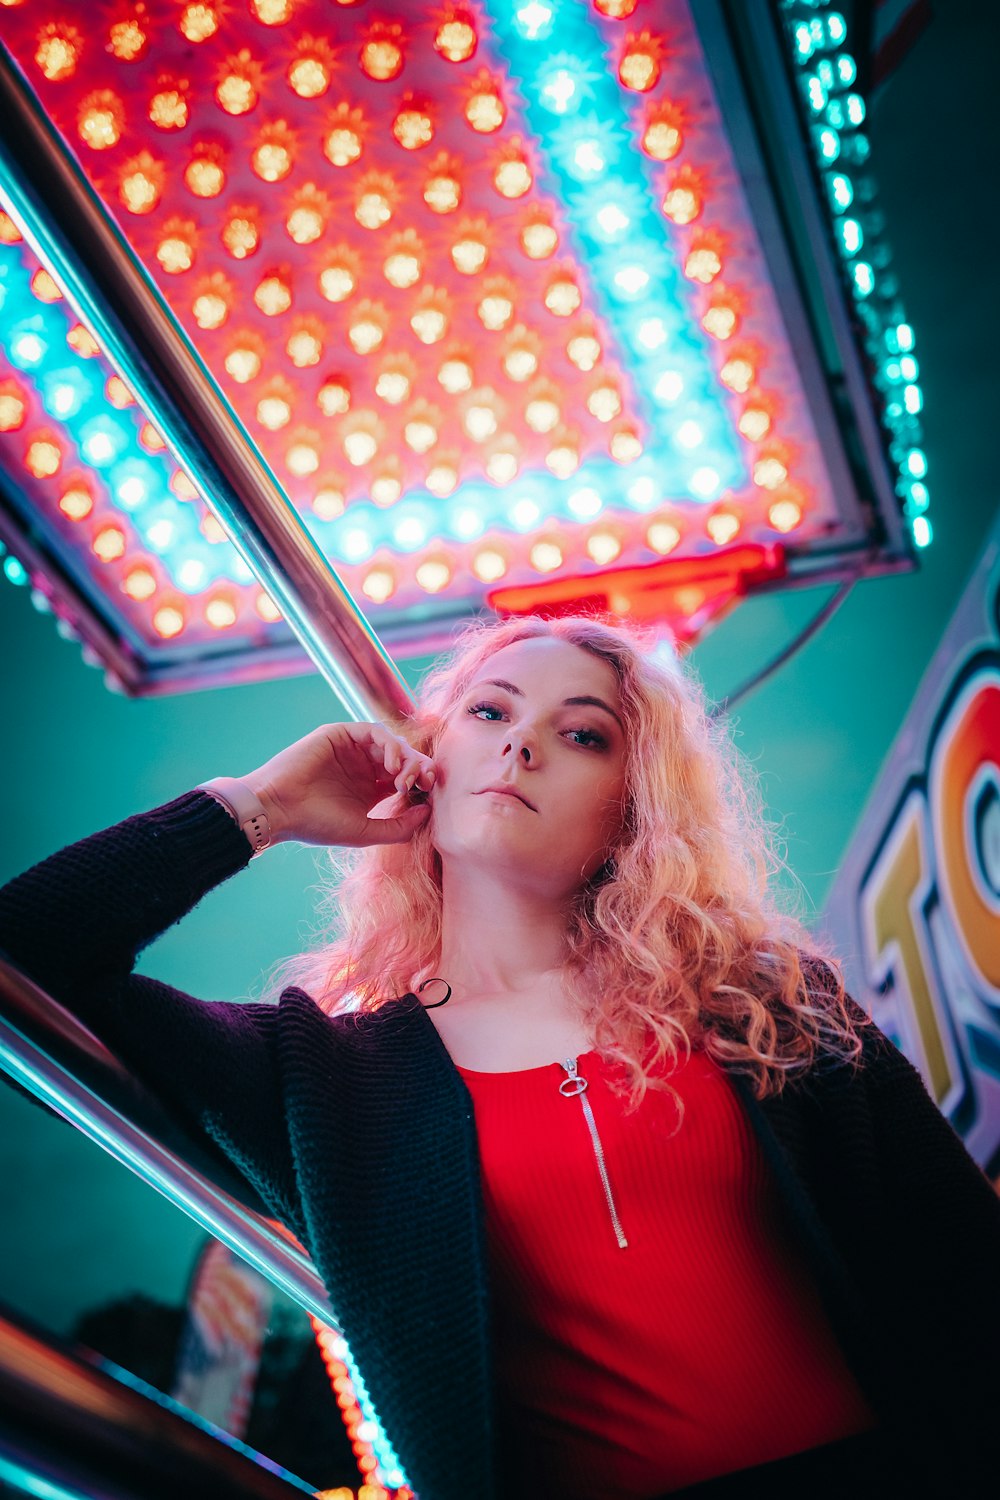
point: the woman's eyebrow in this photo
(581, 700)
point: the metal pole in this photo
(67, 225)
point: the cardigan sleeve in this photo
(76, 923)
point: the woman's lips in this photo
(506, 790)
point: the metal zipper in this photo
(575, 1086)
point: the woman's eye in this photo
(488, 711)
(588, 737)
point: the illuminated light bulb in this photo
(455, 375)
(546, 556)
(334, 397)
(489, 565)
(542, 412)
(722, 527)
(662, 137)
(524, 513)
(721, 320)
(176, 250)
(373, 208)
(13, 408)
(404, 263)
(9, 232)
(342, 140)
(240, 234)
(495, 307)
(689, 435)
(329, 502)
(703, 263)
(272, 12)
(640, 65)
(273, 295)
(588, 158)
(521, 360)
(243, 362)
(562, 296)
(484, 108)
(307, 217)
(305, 345)
(421, 434)
(360, 447)
(168, 109)
(274, 412)
(470, 253)
(604, 402)
(210, 309)
(271, 159)
(429, 320)
(199, 21)
(754, 423)
(395, 381)
(503, 465)
(212, 529)
(603, 547)
(302, 459)
(238, 88)
(168, 621)
(615, 10)
(563, 458)
(738, 373)
(651, 333)
(769, 472)
(442, 192)
(784, 515)
(43, 457)
(455, 39)
(182, 486)
(44, 288)
(584, 350)
(29, 350)
(539, 239)
(480, 421)
(413, 128)
(442, 478)
(704, 482)
(220, 612)
(512, 177)
(662, 536)
(76, 502)
(140, 185)
(367, 330)
(433, 575)
(127, 39)
(100, 120)
(533, 19)
(381, 56)
(339, 277)
(386, 487)
(631, 280)
(109, 544)
(58, 51)
(151, 439)
(684, 198)
(612, 221)
(266, 608)
(309, 73)
(379, 585)
(139, 584)
(625, 445)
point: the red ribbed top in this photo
(700, 1348)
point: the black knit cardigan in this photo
(358, 1133)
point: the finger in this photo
(399, 829)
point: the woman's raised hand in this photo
(322, 789)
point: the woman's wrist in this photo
(248, 806)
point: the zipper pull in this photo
(574, 1086)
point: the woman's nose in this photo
(518, 744)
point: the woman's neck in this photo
(499, 940)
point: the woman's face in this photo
(531, 767)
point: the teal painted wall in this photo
(77, 1230)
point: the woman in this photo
(614, 1192)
